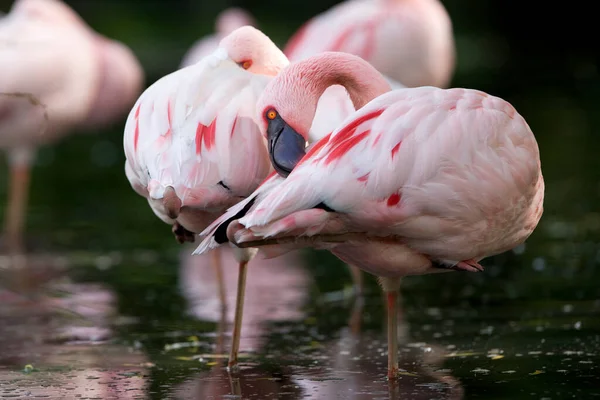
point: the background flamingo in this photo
(227, 21)
(417, 181)
(410, 41)
(57, 76)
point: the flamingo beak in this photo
(286, 146)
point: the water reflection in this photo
(54, 344)
(347, 367)
(276, 291)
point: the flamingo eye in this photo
(271, 114)
(246, 64)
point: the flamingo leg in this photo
(218, 267)
(239, 310)
(391, 288)
(356, 314)
(392, 328)
(357, 279)
(17, 203)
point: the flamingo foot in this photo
(182, 235)
(468, 265)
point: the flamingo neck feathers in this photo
(362, 81)
(300, 86)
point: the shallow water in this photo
(138, 325)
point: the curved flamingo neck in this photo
(298, 88)
(362, 81)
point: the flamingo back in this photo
(411, 41)
(454, 173)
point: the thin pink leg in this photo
(391, 288)
(356, 314)
(357, 279)
(237, 323)
(17, 203)
(392, 329)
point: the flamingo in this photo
(227, 21)
(193, 147)
(410, 41)
(417, 181)
(58, 75)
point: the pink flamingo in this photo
(410, 41)
(194, 148)
(57, 76)
(417, 181)
(227, 21)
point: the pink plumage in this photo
(410, 41)
(192, 142)
(415, 180)
(194, 131)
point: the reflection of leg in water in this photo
(218, 267)
(220, 346)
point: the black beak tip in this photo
(286, 146)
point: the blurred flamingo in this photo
(58, 75)
(227, 21)
(417, 181)
(410, 41)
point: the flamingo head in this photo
(288, 104)
(254, 51)
(286, 109)
(232, 18)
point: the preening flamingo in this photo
(227, 21)
(416, 181)
(58, 75)
(193, 145)
(410, 41)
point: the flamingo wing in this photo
(194, 130)
(432, 166)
